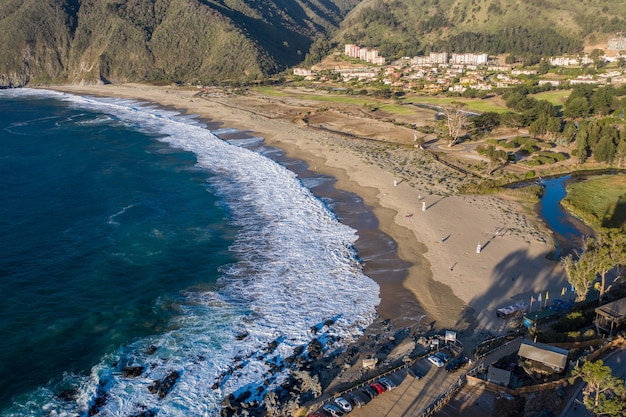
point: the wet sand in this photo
(421, 245)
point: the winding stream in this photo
(568, 231)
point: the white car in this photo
(387, 383)
(435, 361)
(343, 404)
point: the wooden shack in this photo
(611, 316)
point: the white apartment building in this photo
(469, 59)
(564, 61)
(365, 54)
(438, 57)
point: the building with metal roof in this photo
(611, 316)
(545, 355)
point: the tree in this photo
(418, 141)
(604, 393)
(539, 127)
(609, 252)
(486, 121)
(456, 121)
(597, 55)
(602, 100)
(512, 120)
(544, 67)
(554, 126)
(605, 150)
(580, 273)
(582, 143)
(621, 150)
(496, 157)
(569, 133)
(578, 107)
(599, 257)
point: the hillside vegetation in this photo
(542, 27)
(208, 41)
(191, 41)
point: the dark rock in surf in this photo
(132, 371)
(162, 387)
(68, 395)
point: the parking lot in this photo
(411, 396)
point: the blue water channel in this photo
(568, 231)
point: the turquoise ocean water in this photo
(132, 236)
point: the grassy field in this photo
(387, 105)
(599, 201)
(556, 97)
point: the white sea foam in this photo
(296, 270)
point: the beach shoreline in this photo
(457, 257)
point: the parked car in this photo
(369, 391)
(415, 373)
(342, 403)
(435, 360)
(356, 400)
(333, 410)
(457, 363)
(387, 383)
(443, 356)
(380, 388)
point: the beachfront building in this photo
(544, 358)
(611, 316)
(498, 376)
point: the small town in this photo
(441, 72)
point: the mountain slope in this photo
(409, 27)
(151, 40)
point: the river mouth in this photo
(568, 231)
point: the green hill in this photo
(152, 40)
(541, 27)
(206, 41)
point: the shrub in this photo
(573, 336)
(589, 334)
(509, 144)
(528, 149)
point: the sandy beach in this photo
(461, 256)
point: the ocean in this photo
(135, 237)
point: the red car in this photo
(378, 387)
